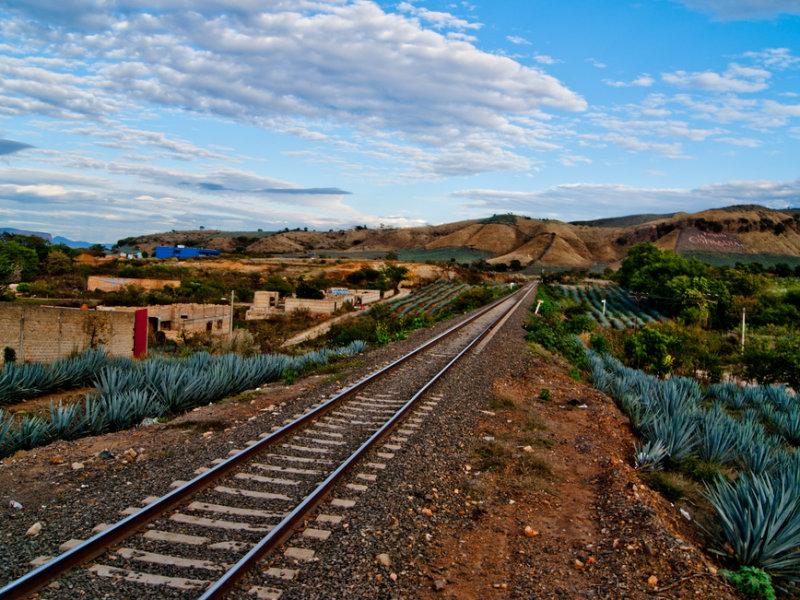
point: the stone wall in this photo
(47, 333)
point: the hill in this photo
(725, 235)
(50, 238)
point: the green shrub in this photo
(752, 581)
(664, 484)
(599, 343)
(9, 355)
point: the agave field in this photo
(751, 431)
(429, 299)
(28, 380)
(128, 391)
(621, 310)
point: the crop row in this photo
(129, 391)
(753, 430)
(621, 311)
(28, 380)
(423, 303)
(431, 288)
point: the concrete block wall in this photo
(317, 307)
(47, 333)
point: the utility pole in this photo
(230, 320)
(744, 325)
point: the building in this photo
(176, 320)
(334, 299)
(47, 333)
(264, 305)
(127, 252)
(181, 252)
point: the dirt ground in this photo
(562, 515)
(32, 477)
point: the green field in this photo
(729, 259)
(461, 255)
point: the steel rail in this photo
(97, 544)
(284, 530)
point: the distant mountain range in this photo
(50, 238)
(722, 236)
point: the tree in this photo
(57, 263)
(96, 250)
(782, 269)
(651, 349)
(356, 278)
(16, 263)
(773, 361)
(311, 292)
(394, 274)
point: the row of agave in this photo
(416, 294)
(621, 310)
(424, 302)
(129, 391)
(751, 429)
(414, 299)
(28, 380)
(438, 304)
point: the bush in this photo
(752, 581)
(599, 343)
(9, 355)
(305, 290)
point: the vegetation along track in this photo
(199, 539)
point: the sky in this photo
(120, 118)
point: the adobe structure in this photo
(264, 305)
(47, 333)
(178, 319)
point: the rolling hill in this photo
(729, 234)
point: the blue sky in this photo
(121, 118)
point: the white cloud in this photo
(596, 63)
(544, 59)
(439, 20)
(734, 10)
(781, 110)
(584, 201)
(775, 58)
(520, 41)
(571, 160)
(735, 79)
(282, 65)
(642, 81)
(42, 192)
(739, 141)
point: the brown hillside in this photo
(736, 229)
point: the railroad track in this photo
(198, 540)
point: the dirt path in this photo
(562, 514)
